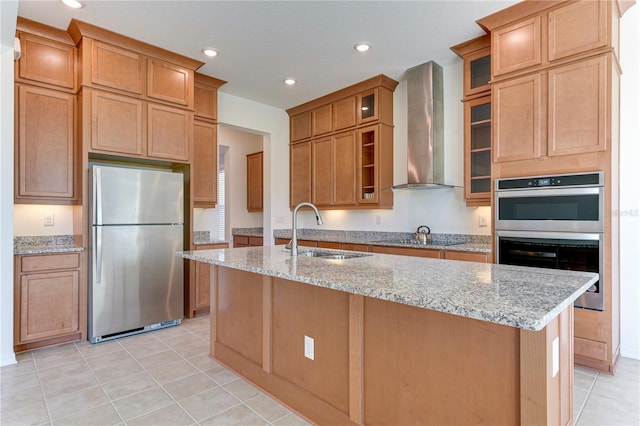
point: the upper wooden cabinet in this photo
(115, 68)
(255, 182)
(535, 35)
(46, 61)
(205, 98)
(45, 148)
(344, 169)
(204, 166)
(169, 82)
(169, 132)
(476, 60)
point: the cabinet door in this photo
(169, 82)
(321, 120)
(300, 173)
(169, 132)
(204, 166)
(577, 28)
(517, 111)
(477, 151)
(46, 61)
(516, 46)
(578, 107)
(254, 182)
(323, 172)
(368, 151)
(45, 144)
(368, 106)
(344, 113)
(301, 126)
(116, 123)
(477, 72)
(345, 168)
(205, 101)
(48, 305)
(116, 68)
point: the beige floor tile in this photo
(159, 359)
(242, 389)
(142, 403)
(193, 349)
(583, 381)
(267, 407)
(146, 348)
(221, 375)
(291, 419)
(69, 384)
(24, 365)
(18, 382)
(22, 415)
(203, 335)
(99, 348)
(240, 415)
(169, 332)
(45, 352)
(111, 359)
(125, 369)
(203, 362)
(101, 415)
(53, 373)
(171, 415)
(66, 404)
(209, 403)
(179, 340)
(25, 396)
(189, 386)
(125, 386)
(138, 339)
(55, 359)
(172, 371)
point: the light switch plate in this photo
(309, 347)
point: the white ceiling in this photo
(263, 42)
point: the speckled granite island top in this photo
(527, 298)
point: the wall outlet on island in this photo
(309, 347)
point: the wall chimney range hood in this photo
(425, 122)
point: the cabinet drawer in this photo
(255, 241)
(240, 241)
(466, 256)
(50, 262)
(590, 348)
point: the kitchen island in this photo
(385, 339)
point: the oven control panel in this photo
(584, 179)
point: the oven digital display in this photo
(544, 182)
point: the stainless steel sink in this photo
(331, 254)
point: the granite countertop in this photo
(457, 242)
(48, 244)
(515, 296)
(247, 232)
(204, 238)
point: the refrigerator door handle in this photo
(97, 190)
(98, 251)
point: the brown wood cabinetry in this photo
(408, 251)
(45, 147)
(467, 256)
(47, 300)
(113, 67)
(46, 61)
(169, 82)
(198, 299)
(338, 169)
(169, 133)
(333, 170)
(204, 166)
(300, 173)
(247, 241)
(206, 97)
(555, 91)
(476, 58)
(255, 182)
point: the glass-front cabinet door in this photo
(478, 151)
(368, 106)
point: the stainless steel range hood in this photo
(425, 122)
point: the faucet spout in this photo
(294, 227)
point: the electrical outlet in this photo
(378, 219)
(309, 347)
(482, 220)
(49, 219)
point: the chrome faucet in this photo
(294, 229)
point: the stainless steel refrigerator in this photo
(135, 281)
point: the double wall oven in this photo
(553, 222)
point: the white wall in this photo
(28, 219)
(8, 13)
(629, 193)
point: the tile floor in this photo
(166, 378)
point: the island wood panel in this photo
(432, 379)
(301, 310)
(426, 367)
(239, 312)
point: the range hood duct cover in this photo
(425, 120)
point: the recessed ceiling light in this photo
(209, 52)
(75, 4)
(362, 47)
(289, 81)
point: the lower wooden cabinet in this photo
(198, 297)
(468, 256)
(246, 241)
(47, 300)
(408, 251)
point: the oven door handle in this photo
(528, 253)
